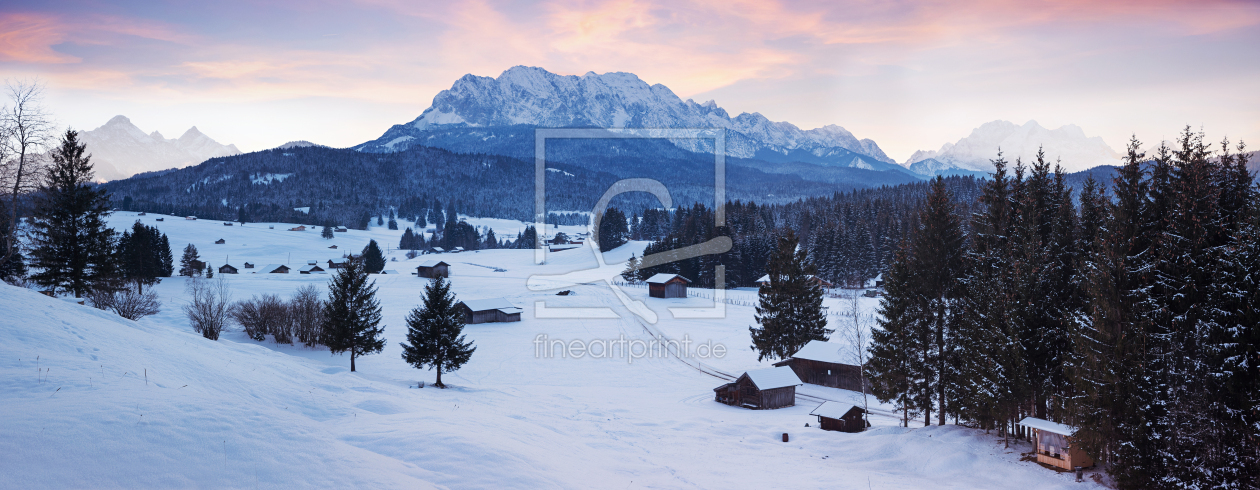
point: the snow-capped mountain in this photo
(1068, 143)
(535, 97)
(297, 144)
(120, 149)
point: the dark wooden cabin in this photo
(841, 417)
(493, 310)
(433, 269)
(819, 363)
(761, 389)
(274, 269)
(228, 269)
(667, 286)
(220, 241)
(310, 268)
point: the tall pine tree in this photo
(790, 310)
(435, 331)
(352, 314)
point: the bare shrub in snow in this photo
(209, 306)
(306, 314)
(127, 302)
(262, 315)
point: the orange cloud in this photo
(28, 38)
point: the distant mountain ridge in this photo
(119, 149)
(528, 96)
(975, 152)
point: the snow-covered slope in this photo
(120, 149)
(535, 97)
(974, 152)
(89, 400)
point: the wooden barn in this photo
(298, 228)
(337, 263)
(489, 311)
(249, 265)
(228, 269)
(765, 281)
(819, 363)
(311, 269)
(433, 269)
(438, 250)
(760, 389)
(667, 286)
(340, 229)
(273, 269)
(1054, 444)
(220, 241)
(841, 417)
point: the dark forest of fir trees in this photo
(1132, 316)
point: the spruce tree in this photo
(166, 257)
(790, 311)
(352, 314)
(435, 332)
(72, 245)
(408, 240)
(188, 263)
(373, 259)
(140, 256)
(936, 262)
(326, 232)
(895, 349)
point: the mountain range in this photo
(119, 149)
(975, 152)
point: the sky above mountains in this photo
(909, 75)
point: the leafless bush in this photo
(126, 302)
(209, 305)
(262, 315)
(306, 314)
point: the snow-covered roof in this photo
(438, 249)
(771, 378)
(389, 271)
(818, 350)
(833, 409)
(490, 304)
(309, 268)
(664, 278)
(269, 268)
(1048, 426)
(432, 263)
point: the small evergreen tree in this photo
(189, 264)
(612, 230)
(373, 258)
(326, 232)
(209, 271)
(435, 332)
(352, 314)
(790, 312)
(166, 257)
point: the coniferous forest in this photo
(1131, 315)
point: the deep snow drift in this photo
(92, 400)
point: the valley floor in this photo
(89, 400)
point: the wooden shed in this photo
(1054, 444)
(273, 269)
(760, 389)
(433, 269)
(841, 417)
(819, 363)
(228, 269)
(311, 269)
(489, 311)
(220, 241)
(667, 286)
(249, 265)
(337, 263)
(298, 228)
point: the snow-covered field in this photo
(89, 400)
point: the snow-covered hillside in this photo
(533, 96)
(94, 401)
(120, 149)
(974, 152)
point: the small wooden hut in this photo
(819, 363)
(249, 265)
(760, 389)
(841, 417)
(1054, 444)
(438, 250)
(433, 269)
(340, 229)
(298, 228)
(337, 263)
(273, 269)
(228, 269)
(491, 310)
(667, 286)
(311, 269)
(220, 241)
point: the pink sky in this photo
(910, 75)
